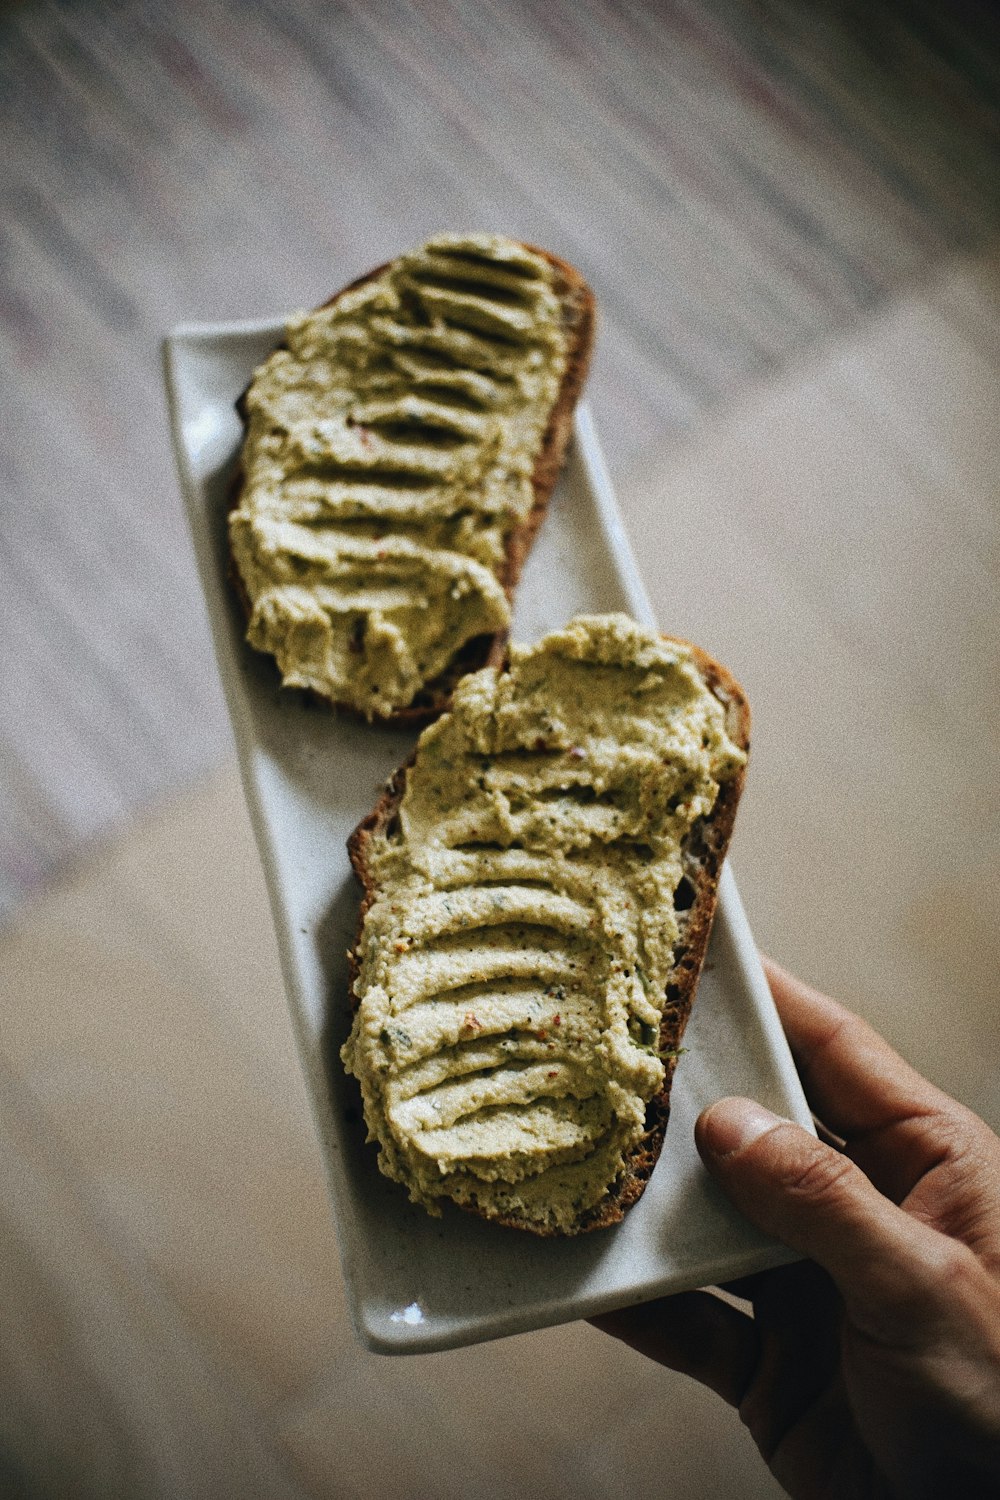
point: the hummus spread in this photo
(389, 454)
(514, 961)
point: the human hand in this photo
(871, 1369)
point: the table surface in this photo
(171, 1309)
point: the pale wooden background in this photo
(789, 214)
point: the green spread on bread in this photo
(520, 927)
(389, 456)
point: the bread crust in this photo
(704, 851)
(579, 318)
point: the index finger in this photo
(853, 1079)
(919, 1147)
(895, 1124)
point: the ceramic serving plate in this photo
(416, 1283)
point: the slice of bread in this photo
(400, 452)
(539, 884)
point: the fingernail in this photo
(731, 1124)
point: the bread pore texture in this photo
(539, 883)
(401, 448)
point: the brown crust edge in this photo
(580, 313)
(704, 853)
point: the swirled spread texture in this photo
(389, 456)
(513, 962)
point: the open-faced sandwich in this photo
(401, 448)
(539, 885)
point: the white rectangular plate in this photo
(416, 1283)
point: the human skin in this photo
(872, 1367)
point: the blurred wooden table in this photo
(171, 1310)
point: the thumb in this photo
(887, 1266)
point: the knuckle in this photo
(949, 1263)
(957, 1131)
(942, 1281)
(819, 1175)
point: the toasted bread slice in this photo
(539, 884)
(400, 452)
